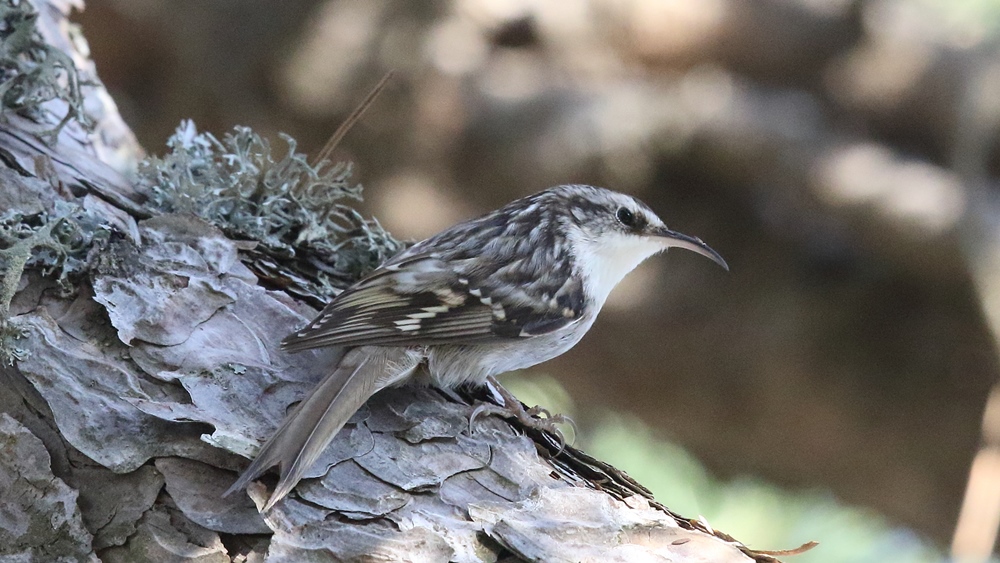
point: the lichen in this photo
(59, 244)
(288, 212)
(291, 209)
(33, 73)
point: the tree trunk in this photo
(144, 367)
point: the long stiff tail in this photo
(308, 430)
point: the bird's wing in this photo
(425, 300)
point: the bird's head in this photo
(611, 233)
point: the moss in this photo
(293, 210)
(33, 73)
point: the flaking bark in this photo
(135, 393)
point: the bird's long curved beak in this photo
(694, 244)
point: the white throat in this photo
(606, 261)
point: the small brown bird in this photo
(505, 291)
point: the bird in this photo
(505, 291)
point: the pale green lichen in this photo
(294, 210)
(34, 73)
(59, 244)
(289, 211)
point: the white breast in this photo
(606, 261)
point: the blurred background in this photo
(842, 155)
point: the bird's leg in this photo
(513, 408)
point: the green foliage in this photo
(59, 244)
(758, 514)
(290, 207)
(33, 73)
(978, 18)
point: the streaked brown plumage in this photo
(505, 291)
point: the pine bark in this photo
(133, 397)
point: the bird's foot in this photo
(535, 417)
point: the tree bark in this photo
(132, 399)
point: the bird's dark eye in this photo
(625, 216)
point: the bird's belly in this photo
(454, 365)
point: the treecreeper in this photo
(505, 291)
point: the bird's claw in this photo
(535, 417)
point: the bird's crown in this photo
(598, 211)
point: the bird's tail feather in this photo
(304, 435)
